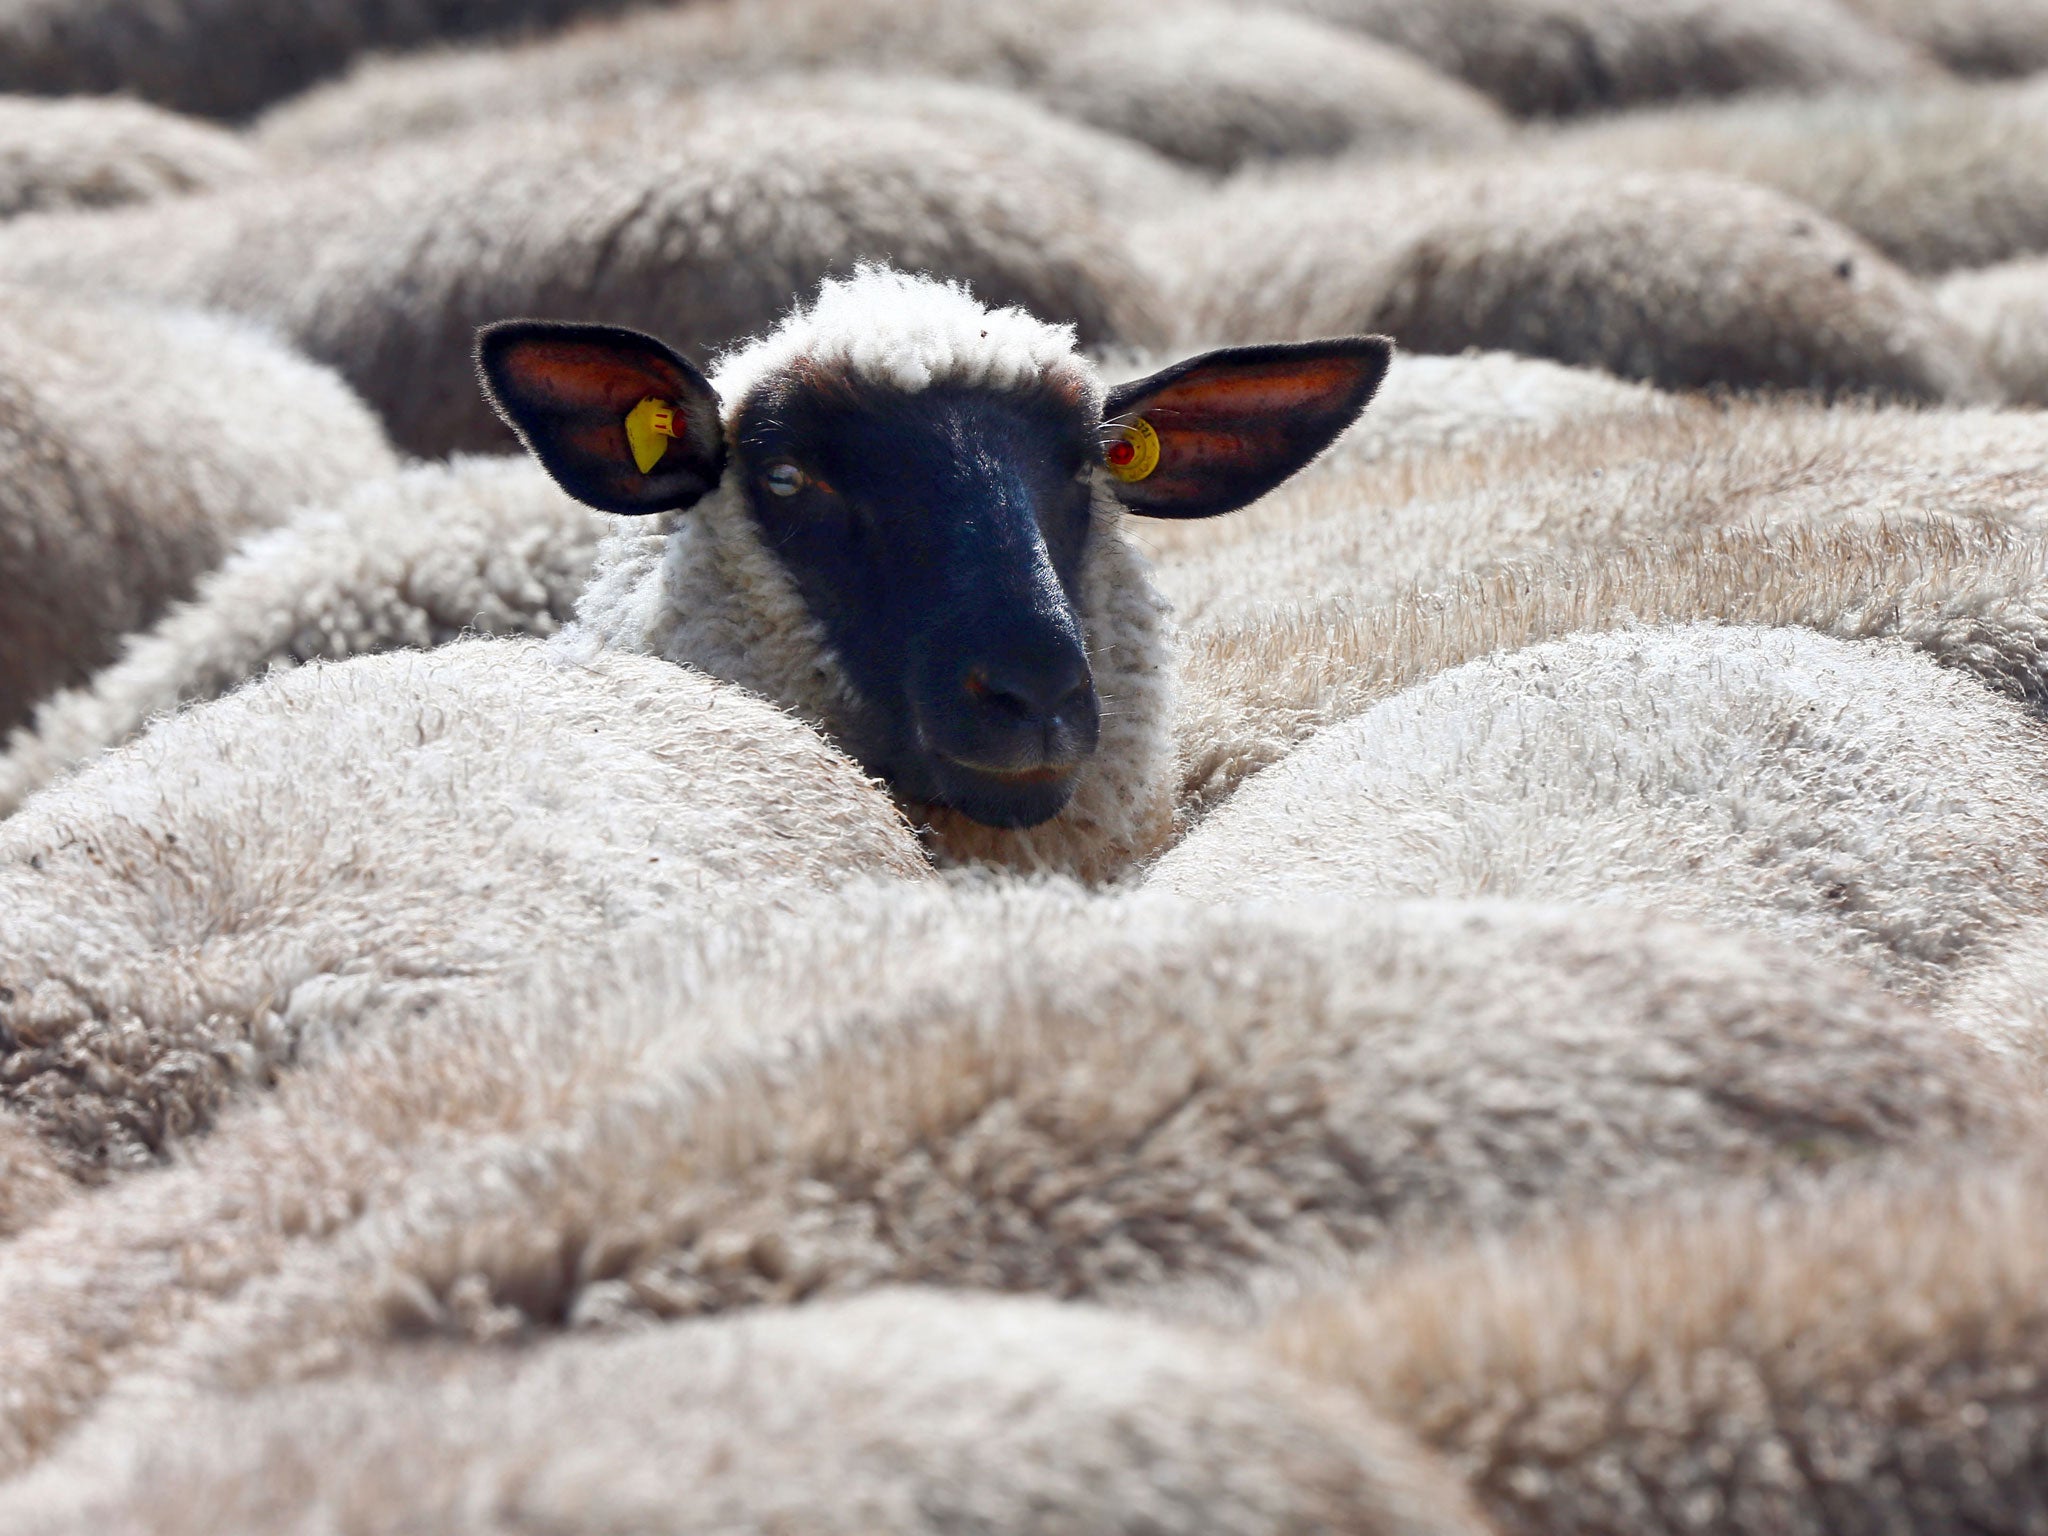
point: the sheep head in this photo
(936, 521)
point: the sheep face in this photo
(939, 486)
(938, 539)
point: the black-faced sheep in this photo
(700, 221)
(1209, 84)
(1561, 57)
(1871, 1360)
(919, 1413)
(900, 514)
(1688, 280)
(134, 447)
(493, 545)
(1935, 179)
(1037, 1089)
(354, 841)
(1852, 799)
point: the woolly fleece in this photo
(1022, 1088)
(699, 587)
(135, 445)
(1868, 1360)
(1934, 178)
(1852, 800)
(1257, 684)
(1211, 84)
(1556, 58)
(416, 559)
(1686, 280)
(375, 838)
(2005, 308)
(919, 1413)
(226, 58)
(95, 154)
(630, 217)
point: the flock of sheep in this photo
(1043, 928)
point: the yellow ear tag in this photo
(649, 426)
(1136, 454)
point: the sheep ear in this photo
(621, 422)
(1209, 435)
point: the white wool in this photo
(909, 333)
(1853, 799)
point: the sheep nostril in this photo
(1026, 695)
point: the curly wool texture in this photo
(696, 222)
(1685, 280)
(1868, 1360)
(700, 588)
(135, 446)
(372, 839)
(1557, 58)
(1623, 481)
(97, 154)
(1934, 178)
(417, 559)
(1852, 800)
(1259, 683)
(1209, 84)
(1025, 1088)
(918, 1413)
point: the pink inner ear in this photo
(1248, 391)
(583, 376)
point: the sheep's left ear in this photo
(1209, 435)
(621, 422)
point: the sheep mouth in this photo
(1007, 798)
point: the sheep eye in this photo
(785, 479)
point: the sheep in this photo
(1934, 179)
(491, 544)
(1685, 280)
(96, 154)
(915, 1412)
(1617, 482)
(2005, 308)
(1212, 85)
(136, 445)
(1972, 37)
(1852, 799)
(703, 220)
(1258, 683)
(350, 841)
(1133, 1100)
(228, 59)
(1867, 1359)
(2003, 1000)
(1556, 58)
(899, 514)
(413, 559)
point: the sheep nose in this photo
(1049, 692)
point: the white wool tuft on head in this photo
(908, 332)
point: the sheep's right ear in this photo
(620, 421)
